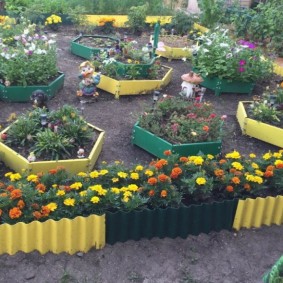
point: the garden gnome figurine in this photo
(190, 81)
(87, 86)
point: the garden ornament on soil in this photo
(87, 86)
(190, 86)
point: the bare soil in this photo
(226, 257)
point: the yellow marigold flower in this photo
(54, 186)
(135, 176)
(233, 155)
(60, 193)
(82, 174)
(94, 174)
(115, 180)
(103, 172)
(122, 174)
(52, 206)
(117, 162)
(83, 193)
(192, 158)
(129, 61)
(125, 199)
(259, 173)
(277, 154)
(76, 185)
(15, 177)
(115, 191)
(258, 179)
(133, 187)
(32, 178)
(237, 165)
(198, 161)
(69, 201)
(139, 168)
(127, 194)
(252, 155)
(95, 187)
(8, 174)
(148, 173)
(267, 156)
(277, 162)
(124, 189)
(255, 166)
(95, 199)
(210, 156)
(200, 181)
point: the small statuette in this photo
(31, 157)
(81, 153)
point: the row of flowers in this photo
(164, 182)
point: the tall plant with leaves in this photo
(211, 12)
(137, 16)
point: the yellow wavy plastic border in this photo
(66, 235)
(278, 69)
(257, 212)
(175, 53)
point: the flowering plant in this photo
(164, 182)
(221, 56)
(53, 21)
(28, 58)
(107, 24)
(178, 120)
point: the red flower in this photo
(230, 189)
(167, 152)
(152, 181)
(205, 128)
(163, 194)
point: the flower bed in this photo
(173, 196)
(39, 145)
(23, 93)
(134, 87)
(259, 130)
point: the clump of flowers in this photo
(28, 57)
(53, 21)
(221, 56)
(165, 182)
(179, 120)
(107, 23)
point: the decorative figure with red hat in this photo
(87, 86)
(190, 84)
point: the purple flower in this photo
(247, 43)
(241, 69)
(242, 62)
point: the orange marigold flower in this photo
(222, 161)
(247, 186)
(279, 165)
(268, 174)
(45, 211)
(236, 180)
(219, 172)
(3, 195)
(238, 173)
(40, 187)
(67, 188)
(230, 189)
(270, 168)
(205, 128)
(184, 159)
(52, 171)
(163, 194)
(20, 204)
(152, 163)
(167, 152)
(160, 163)
(1, 211)
(2, 185)
(35, 206)
(151, 193)
(15, 212)
(36, 214)
(177, 170)
(163, 178)
(232, 170)
(174, 176)
(10, 188)
(152, 181)
(16, 193)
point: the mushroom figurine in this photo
(190, 82)
(31, 157)
(81, 152)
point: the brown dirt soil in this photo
(224, 257)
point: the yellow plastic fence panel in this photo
(278, 69)
(66, 235)
(120, 20)
(200, 27)
(258, 212)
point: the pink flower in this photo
(191, 115)
(242, 62)
(223, 117)
(175, 127)
(241, 69)
(212, 115)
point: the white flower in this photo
(224, 45)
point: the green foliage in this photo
(275, 275)
(211, 12)
(182, 23)
(136, 18)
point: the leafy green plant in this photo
(136, 18)
(181, 22)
